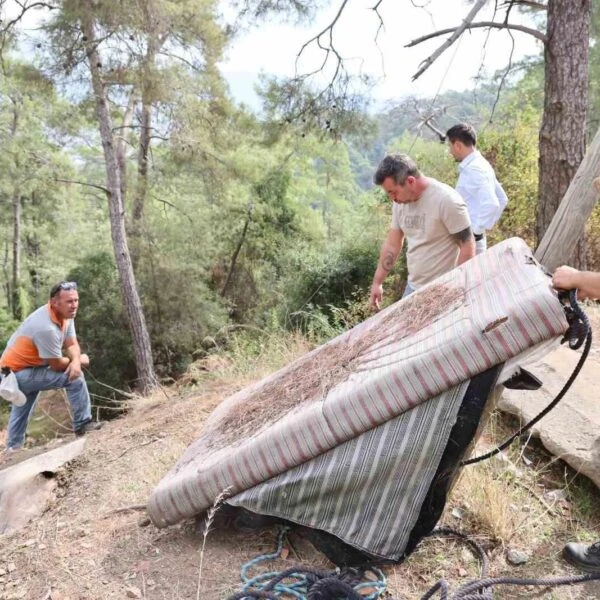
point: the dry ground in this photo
(83, 547)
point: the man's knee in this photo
(77, 383)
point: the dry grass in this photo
(489, 503)
(210, 517)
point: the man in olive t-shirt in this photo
(431, 216)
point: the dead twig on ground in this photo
(132, 448)
(122, 509)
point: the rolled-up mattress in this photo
(349, 438)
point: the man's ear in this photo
(410, 180)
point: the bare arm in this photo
(73, 360)
(390, 250)
(59, 364)
(466, 245)
(587, 283)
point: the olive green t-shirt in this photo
(428, 225)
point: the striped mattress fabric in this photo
(407, 364)
(369, 490)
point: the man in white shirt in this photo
(430, 215)
(477, 182)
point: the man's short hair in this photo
(463, 132)
(62, 285)
(396, 166)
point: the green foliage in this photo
(180, 312)
(514, 155)
(20, 303)
(593, 237)
(295, 11)
(292, 107)
(594, 71)
(102, 325)
(7, 326)
(325, 283)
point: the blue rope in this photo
(297, 581)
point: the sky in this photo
(272, 48)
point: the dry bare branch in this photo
(504, 75)
(85, 183)
(455, 35)
(146, 443)
(7, 27)
(529, 4)
(492, 24)
(328, 48)
(381, 25)
(123, 509)
(427, 123)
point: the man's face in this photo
(401, 193)
(456, 150)
(65, 303)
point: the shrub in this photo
(101, 324)
(329, 293)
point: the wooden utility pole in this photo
(568, 224)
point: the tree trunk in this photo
(6, 277)
(137, 323)
(237, 251)
(568, 224)
(562, 134)
(15, 285)
(17, 309)
(137, 214)
(142, 182)
(122, 144)
(141, 189)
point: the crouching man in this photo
(44, 355)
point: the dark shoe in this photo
(585, 557)
(89, 426)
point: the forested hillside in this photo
(236, 223)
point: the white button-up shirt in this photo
(482, 192)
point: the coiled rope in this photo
(307, 584)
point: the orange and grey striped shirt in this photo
(39, 337)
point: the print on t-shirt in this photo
(414, 223)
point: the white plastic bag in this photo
(9, 390)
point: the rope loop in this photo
(303, 583)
